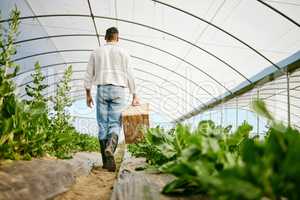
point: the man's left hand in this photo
(135, 101)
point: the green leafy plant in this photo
(9, 105)
(35, 91)
(210, 150)
(20, 135)
(62, 130)
(62, 100)
(270, 168)
(150, 148)
(213, 161)
(26, 130)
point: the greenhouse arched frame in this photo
(208, 56)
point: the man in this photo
(109, 69)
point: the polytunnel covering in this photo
(185, 54)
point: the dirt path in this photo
(97, 186)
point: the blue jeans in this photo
(110, 101)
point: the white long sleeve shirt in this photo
(109, 64)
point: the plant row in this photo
(224, 164)
(30, 128)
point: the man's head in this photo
(112, 35)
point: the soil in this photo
(98, 185)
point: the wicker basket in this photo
(134, 118)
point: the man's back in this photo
(111, 57)
(109, 64)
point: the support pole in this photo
(236, 113)
(221, 116)
(257, 116)
(225, 113)
(288, 99)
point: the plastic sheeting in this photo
(180, 61)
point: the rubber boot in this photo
(110, 149)
(102, 150)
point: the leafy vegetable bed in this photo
(137, 184)
(214, 161)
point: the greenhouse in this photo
(209, 107)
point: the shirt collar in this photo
(111, 43)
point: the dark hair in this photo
(109, 35)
